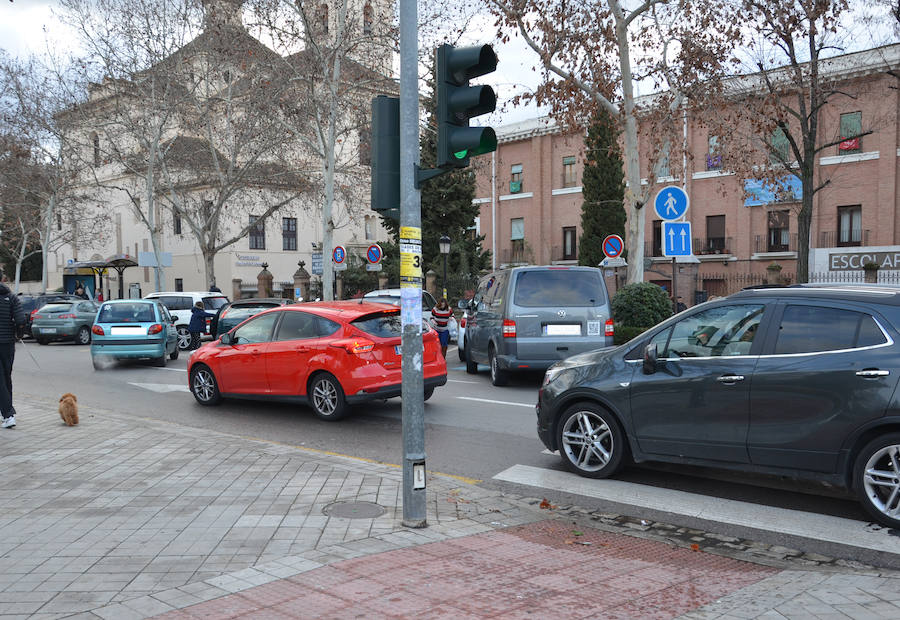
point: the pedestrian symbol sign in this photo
(613, 246)
(671, 203)
(676, 239)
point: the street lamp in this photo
(444, 244)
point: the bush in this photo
(623, 334)
(641, 305)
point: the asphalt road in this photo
(473, 429)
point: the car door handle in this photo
(872, 372)
(730, 378)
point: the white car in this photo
(179, 304)
(392, 295)
(461, 338)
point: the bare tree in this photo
(592, 55)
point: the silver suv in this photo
(179, 304)
(528, 318)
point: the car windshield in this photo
(126, 313)
(55, 308)
(382, 324)
(214, 303)
(559, 287)
(394, 301)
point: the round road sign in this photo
(374, 254)
(339, 254)
(671, 202)
(613, 246)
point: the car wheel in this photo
(42, 340)
(471, 365)
(204, 386)
(83, 336)
(327, 397)
(461, 350)
(498, 377)
(184, 338)
(174, 354)
(591, 442)
(429, 392)
(876, 478)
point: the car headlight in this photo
(551, 374)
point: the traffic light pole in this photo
(412, 390)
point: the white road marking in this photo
(461, 381)
(161, 387)
(769, 518)
(497, 402)
(174, 369)
(551, 452)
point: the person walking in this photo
(198, 324)
(440, 318)
(213, 288)
(12, 327)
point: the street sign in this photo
(339, 255)
(374, 254)
(613, 246)
(612, 263)
(373, 267)
(340, 266)
(671, 203)
(676, 239)
(317, 268)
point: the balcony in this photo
(854, 237)
(653, 249)
(762, 244)
(713, 245)
(514, 255)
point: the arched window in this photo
(322, 18)
(368, 17)
(95, 142)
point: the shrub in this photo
(623, 334)
(642, 304)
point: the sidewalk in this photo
(123, 518)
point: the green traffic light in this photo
(461, 154)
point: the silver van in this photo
(528, 318)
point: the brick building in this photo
(530, 196)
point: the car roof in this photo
(203, 293)
(889, 295)
(130, 301)
(258, 300)
(384, 292)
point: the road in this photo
(473, 430)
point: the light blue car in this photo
(133, 329)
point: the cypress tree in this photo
(603, 189)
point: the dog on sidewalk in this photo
(68, 409)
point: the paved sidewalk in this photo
(123, 518)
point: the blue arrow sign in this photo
(671, 203)
(676, 239)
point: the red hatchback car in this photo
(328, 354)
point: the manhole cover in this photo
(354, 510)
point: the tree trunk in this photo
(45, 242)
(151, 222)
(804, 225)
(209, 267)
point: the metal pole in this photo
(412, 390)
(444, 281)
(674, 289)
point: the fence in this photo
(722, 284)
(853, 277)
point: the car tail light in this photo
(155, 328)
(609, 328)
(462, 322)
(68, 316)
(35, 316)
(509, 328)
(354, 345)
(34, 312)
(97, 330)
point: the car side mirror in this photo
(226, 338)
(462, 304)
(650, 356)
(174, 320)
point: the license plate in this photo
(398, 349)
(127, 331)
(48, 330)
(562, 330)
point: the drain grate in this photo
(354, 510)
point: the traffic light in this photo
(457, 102)
(386, 155)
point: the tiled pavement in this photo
(124, 518)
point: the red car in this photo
(328, 354)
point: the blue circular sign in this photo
(671, 203)
(339, 254)
(613, 246)
(373, 254)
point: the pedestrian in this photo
(440, 318)
(12, 328)
(198, 323)
(213, 288)
(679, 305)
(79, 290)
(100, 296)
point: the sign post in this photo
(373, 257)
(671, 204)
(339, 257)
(613, 246)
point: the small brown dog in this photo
(68, 409)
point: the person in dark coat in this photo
(12, 327)
(198, 323)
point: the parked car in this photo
(179, 305)
(64, 320)
(236, 312)
(392, 296)
(31, 304)
(327, 354)
(528, 318)
(133, 329)
(797, 381)
(461, 330)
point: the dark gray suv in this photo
(797, 381)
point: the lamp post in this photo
(444, 244)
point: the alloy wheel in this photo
(184, 338)
(204, 385)
(325, 397)
(587, 441)
(84, 335)
(881, 479)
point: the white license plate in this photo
(562, 330)
(398, 349)
(127, 331)
(48, 330)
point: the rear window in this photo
(245, 312)
(126, 313)
(559, 287)
(214, 303)
(809, 329)
(55, 308)
(382, 325)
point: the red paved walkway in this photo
(542, 570)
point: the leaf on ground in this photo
(695, 547)
(545, 505)
(577, 533)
